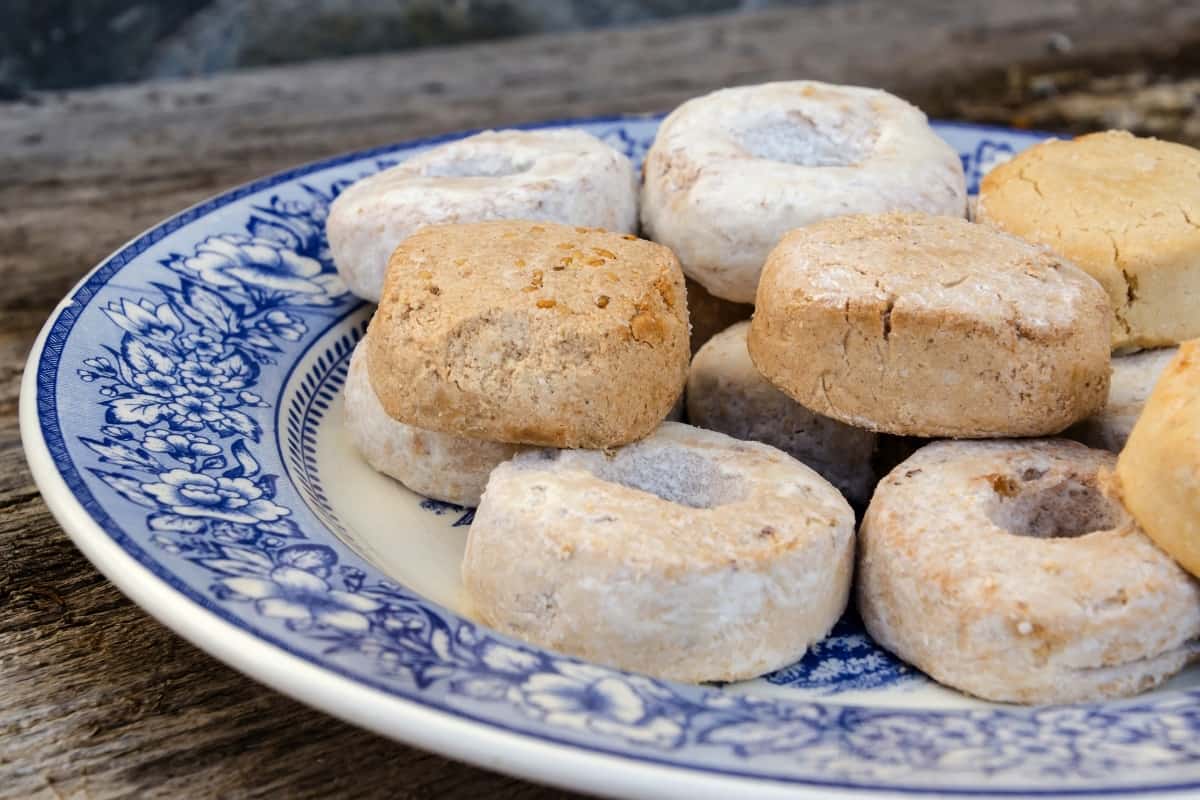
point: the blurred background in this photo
(64, 44)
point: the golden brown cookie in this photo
(530, 333)
(1159, 469)
(1124, 209)
(930, 326)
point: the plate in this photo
(181, 415)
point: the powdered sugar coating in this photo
(438, 465)
(726, 393)
(565, 176)
(688, 555)
(970, 570)
(733, 171)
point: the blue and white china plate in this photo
(181, 415)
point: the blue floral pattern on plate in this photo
(163, 418)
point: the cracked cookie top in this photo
(930, 326)
(907, 262)
(1123, 208)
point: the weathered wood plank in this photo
(154, 148)
(100, 701)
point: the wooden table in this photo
(96, 699)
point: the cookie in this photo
(566, 176)
(931, 326)
(438, 465)
(731, 172)
(1124, 209)
(530, 333)
(726, 393)
(1159, 469)
(1010, 570)
(689, 555)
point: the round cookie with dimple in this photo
(1159, 469)
(726, 393)
(688, 555)
(731, 172)
(1011, 571)
(530, 333)
(931, 326)
(438, 465)
(1133, 378)
(1124, 209)
(564, 176)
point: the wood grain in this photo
(98, 700)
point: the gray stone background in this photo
(59, 44)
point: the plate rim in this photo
(424, 725)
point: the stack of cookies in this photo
(527, 365)
(496, 335)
